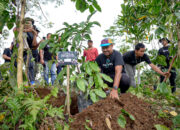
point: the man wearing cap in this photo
(165, 52)
(91, 52)
(111, 63)
(134, 57)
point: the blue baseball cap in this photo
(106, 42)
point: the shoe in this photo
(32, 83)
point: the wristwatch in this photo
(115, 87)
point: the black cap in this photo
(160, 40)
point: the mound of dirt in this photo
(60, 100)
(95, 116)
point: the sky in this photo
(68, 13)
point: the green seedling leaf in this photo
(73, 78)
(100, 93)
(43, 44)
(121, 121)
(90, 80)
(93, 97)
(161, 127)
(88, 69)
(100, 81)
(81, 84)
(106, 77)
(126, 113)
(94, 67)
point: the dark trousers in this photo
(172, 79)
(124, 83)
(30, 66)
(59, 68)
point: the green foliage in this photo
(127, 114)
(83, 5)
(177, 79)
(121, 121)
(176, 121)
(163, 89)
(90, 81)
(8, 14)
(161, 127)
(26, 109)
(81, 84)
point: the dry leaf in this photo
(165, 111)
(173, 113)
(108, 123)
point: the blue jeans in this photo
(52, 71)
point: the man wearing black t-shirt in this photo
(45, 57)
(29, 41)
(7, 53)
(165, 52)
(111, 63)
(132, 58)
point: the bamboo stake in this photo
(68, 95)
(170, 67)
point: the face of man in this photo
(140, 52)
(28, 25)
(107, 50)
(90, 44)
(164, 43)
(48, 36)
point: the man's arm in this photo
(6, 57)
(117, 78)
(34, 43)
(41, 57)
(155, 68)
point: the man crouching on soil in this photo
(111, 63)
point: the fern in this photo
(33, 107)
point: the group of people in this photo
(42, 56)
(121, 68)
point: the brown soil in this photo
(145, 117)
(60, 100)
(95, 116)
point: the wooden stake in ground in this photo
(21, 46)
(68, 95)
(170, 67)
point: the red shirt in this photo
(90, 54)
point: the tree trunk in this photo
(21, 46)
(178, 33)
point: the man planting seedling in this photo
(111, 63)
(132, 58)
